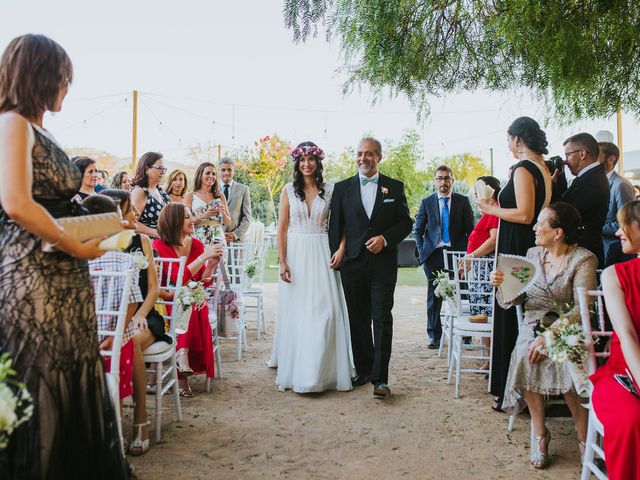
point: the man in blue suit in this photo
(444, 221)
(620, 192)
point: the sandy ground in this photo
(245, 429)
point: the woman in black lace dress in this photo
(527, 192)
(47, 318)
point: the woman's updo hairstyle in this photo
(567, 218)
(531, 134)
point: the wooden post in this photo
(134, 139)
(621, 161)
(219, 151)
(491, 157)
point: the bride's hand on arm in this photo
(338, 256)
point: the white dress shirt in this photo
(587, 168)
(440, 205)
(368, 193)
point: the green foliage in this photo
(580, 56)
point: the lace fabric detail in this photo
(48, 326)
(305, 220)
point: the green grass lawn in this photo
(409, 276)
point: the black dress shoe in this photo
(359, 380)
(433, 344)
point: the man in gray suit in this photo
(238, 200)
(620, 192)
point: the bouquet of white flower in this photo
(444, 286)
(16, 406)
(140, 260)
(564, 341)
(192, 295)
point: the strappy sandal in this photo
(186, 392)
(182, 362)
(495, 406)
(539, 458)
(582, 446)
(138, 445)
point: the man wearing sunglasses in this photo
(444, 221)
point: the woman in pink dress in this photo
(195, 349)
(618, 409)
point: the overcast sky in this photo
(228, 72)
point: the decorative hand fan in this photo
(519, 273)
(484, 191)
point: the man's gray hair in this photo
(375, 141)
(227, 160)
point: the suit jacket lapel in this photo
(355, 193)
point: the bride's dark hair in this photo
(298, 177)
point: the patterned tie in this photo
(364, 180)
(225, 188)
(445, 219)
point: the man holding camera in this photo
(589, 191)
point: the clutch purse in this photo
(519, 273)
(86, 227)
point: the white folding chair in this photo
(213, 321)
(595, 430)
(234, 278)
(117, 286)
(447, 314)
(255, 285)
(160, 353)
(476, 269)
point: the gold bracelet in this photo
(59, 239)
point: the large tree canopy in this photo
(580, 56)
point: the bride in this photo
(311, 346)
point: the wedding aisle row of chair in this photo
(236, 292)
(468, 339)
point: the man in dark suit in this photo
(620, 192)
(444, 221)
(589, 191)
(369, 218)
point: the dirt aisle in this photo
(246, 429)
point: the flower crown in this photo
(307, 150)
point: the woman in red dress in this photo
(195, 349)
(615, 407)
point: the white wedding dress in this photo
(312, 345)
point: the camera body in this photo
(554, 163)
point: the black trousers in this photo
(370, 299)
(433, 265)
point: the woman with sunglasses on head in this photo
(147, 195)
(615, 406)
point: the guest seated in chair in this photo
(148, 324)
(618, 409)
(195, 348)
(563, 267)
(132, 369)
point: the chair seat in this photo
(462, 323)
(157, 348)
(254, 291)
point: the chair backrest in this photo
(471, 278)
(451, 258)
(165, 267)
(587, 326)
(111, 289)
(237, 255)
(255, 233)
